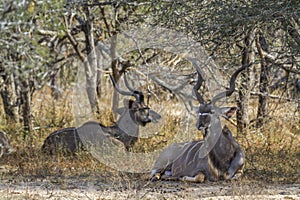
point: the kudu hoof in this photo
(156, 177)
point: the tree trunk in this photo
(116, 74)
(262, 111)
(99, 89)
(243, 89)
(9, 98)
(56, 94)
(26, 106)
(91, 63)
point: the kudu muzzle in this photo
(203, 121)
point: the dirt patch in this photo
(97, 188)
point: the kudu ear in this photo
(227, 112)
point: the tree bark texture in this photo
(91, 63)
(9, 98)
(26, 106)
(115, 71)
(262, 111)
(244, 87)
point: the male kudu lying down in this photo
(217, 157)
(126, 130)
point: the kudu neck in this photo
(127, 123)
(217, 137)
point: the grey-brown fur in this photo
(5, 147)
(182, 160)
(217, 157)
(126, 130)
(65, 141)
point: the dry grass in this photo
(272, 153)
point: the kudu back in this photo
(135, 113)
(5, 147)
(217, 157)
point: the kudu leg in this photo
(167, 175)
(236, 167)
(156, 177)
(199, 178)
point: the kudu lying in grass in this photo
(217, 157)
(5, 148)
(125, 130)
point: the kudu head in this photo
(208, 112)
(139, 111)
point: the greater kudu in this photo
(217, 157)
(5, 147)
(135, 113)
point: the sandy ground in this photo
(74, 188)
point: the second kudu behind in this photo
(217, 157)
(5, 147)
(135, 113)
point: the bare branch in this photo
(73, 41)
(47, 32)
(272, 96)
